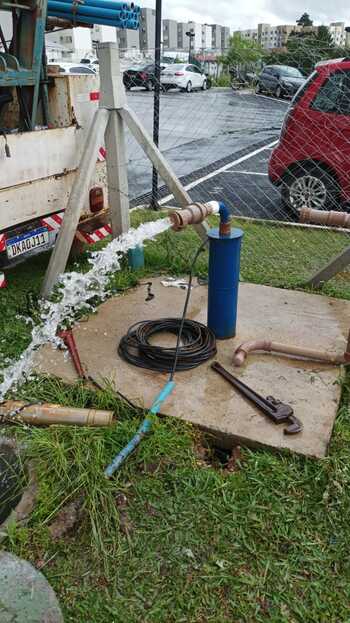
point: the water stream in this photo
(75, 291)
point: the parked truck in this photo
(44, 118)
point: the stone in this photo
(25, 594)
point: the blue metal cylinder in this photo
(223, 277)
(136, 258)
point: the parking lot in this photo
(218, 142)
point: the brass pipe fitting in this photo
(191, 215)
(330, 218)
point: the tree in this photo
(324, 36)
(304, 20)
(242, 52)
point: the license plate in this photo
(27, 242)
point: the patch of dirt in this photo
(68, 517)
(126, 526)
(218, 458)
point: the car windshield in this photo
(291, 72)
(175, 67)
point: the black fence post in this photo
(156, 105)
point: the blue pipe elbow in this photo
(224, 213)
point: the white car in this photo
(185, 77)
(72, 68)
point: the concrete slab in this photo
(25, 594)
(201, 396)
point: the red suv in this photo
(311, 163)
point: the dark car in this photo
(140, 77)
(279, 80)
(311, 163)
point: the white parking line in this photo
(221, 170)
(273, 99)
(246, 172)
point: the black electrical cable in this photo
(198, 341)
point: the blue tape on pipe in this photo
(142, 431)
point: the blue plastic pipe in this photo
(223, 278)
(92, 11)
(107, 4)
(90, 20)
(143, 430)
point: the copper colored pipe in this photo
(323, 217)
(244, 349)
(68, 339)
(17, 411)
(347, 352)
(191, 215)
(57, 22)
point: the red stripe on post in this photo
(57, 218)
(99, 234)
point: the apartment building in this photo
(102, 34)
(182, 39)
(273, 37)
(196, 30)
(347, 37)
(147, 29)
(337, 30)
(225, 37)
(206, 37)
(70, 45)
(128, 42)
(170, 34)
(74, 44)
(216, 37)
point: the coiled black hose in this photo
(197, 345)
(198, 342)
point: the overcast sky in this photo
(247, 13)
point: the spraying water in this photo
(75, 291)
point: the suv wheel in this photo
(258, 89)
(149, 85)
(204, 85)
(310, 188)
(278, 92)
(189, 87)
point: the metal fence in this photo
(271, 143)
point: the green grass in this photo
(222, 81)
(192, 542)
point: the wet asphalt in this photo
(202, 132)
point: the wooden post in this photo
(338, 263)
(159, 162)
(113, 98)
(78, 195)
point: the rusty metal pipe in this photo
(193, 214)
(68, 339)
(244, 349)
(323, 217)
(58, 22)
(16, 411)
(347, 352)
